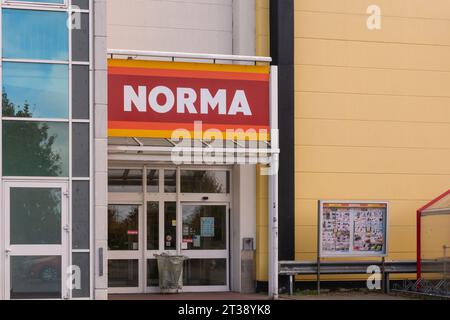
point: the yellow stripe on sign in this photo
(187, 66)
(168, 134)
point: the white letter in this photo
(182, 152)
(186, 98)
(74, 277)
(130, 96)
(74, 19)
(240, 104)
(374, 281)
(220, 99)
(153, 99)
(374, 21)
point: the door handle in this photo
(8, 251)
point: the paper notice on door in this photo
(196, 241)
(184, 246)
(207, 227)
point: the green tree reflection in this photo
(28, 148)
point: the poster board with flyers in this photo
(352, 229)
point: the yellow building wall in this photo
(262, 49)
(372, 111)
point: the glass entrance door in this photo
(155, 210)
(125, 248)
(36, 236)
(205, 242)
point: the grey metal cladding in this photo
(80, 92)
(80, 215)
(80, 39)
(80, 150)
(82, 260)
(82, 4)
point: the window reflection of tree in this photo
(203, 181)
(29, 145)
(122, 219)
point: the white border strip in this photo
(185, 55)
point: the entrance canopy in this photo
(165, 150)
(197, 109)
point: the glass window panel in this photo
(152, 273)
(80, 92)
(123, 273)
(80, 150)
(170, 181)
(35, 149)
(152, 225)
(35, 90)
(81, 260)
(197, 181)
(205, 227)
(33, 34)
(80, 215)
(123, 227)
(80, 38)
(170, 225)
(83, 4)
(124, 180)
(35, 216)
(35, 277)
(153, 181)
(205, 272)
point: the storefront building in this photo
(90, 194)
(176, 202)
(87, 175)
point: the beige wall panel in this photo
(369, 186)
(372, 160)
(371, 107)
(439, 9)
(354, 27)
(372, 54)
(372, 81)
(372, 133)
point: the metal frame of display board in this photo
(371, 254)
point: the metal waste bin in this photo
(170, 269)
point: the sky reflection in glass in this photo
(32, 34)
(44, 87)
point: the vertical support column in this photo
(282, 52)
(273, 230)
(244, 27)
(100, 153)
(273, 186)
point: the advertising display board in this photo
(352, 229)
(152, 99)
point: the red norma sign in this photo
(153, 99)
